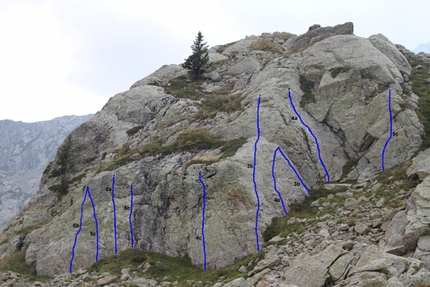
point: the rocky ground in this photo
(354, 240)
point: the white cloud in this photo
(36, 59)
(69, 57)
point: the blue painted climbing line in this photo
(313, 135)
(253, 173)
(130, 215)
(292, 167)
(391, 129)
(203, 219)
(114, 215)
(274, 181)
(87, 192)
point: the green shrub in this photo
(194, 140)
(16, 263)
(182, 87)
(230, 148)
(218, 102)
(134, 130)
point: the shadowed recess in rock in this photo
(87, 192)
(253, 174)
(391, 129)
(310, 131)
(203, 219)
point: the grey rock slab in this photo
(420, 165)
(312, 270)
(424, 243)
(418, 218)
(376, 260)
(242, 269)
(380, 203)
(391, 52)
(239, 282)
(394, 282)
(247, 65)
(350, 203)
(342, 265)
(361, 228)
(276, 239)
(162, 75)
(267, 262)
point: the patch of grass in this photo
(219, 102)
(266, 45)
(119, 162)
(421, 87)
(230, 148)
(336, 71)
(280, 226)
(134, 130)
(113, 264)
(16, 263)
(182, 87)
(192, 140)
(393, 180)
(306, 86)
(165, 268)
(406, 106)
(347, 168)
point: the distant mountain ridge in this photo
(422, 48)
(25, 150)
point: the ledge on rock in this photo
(316, 34)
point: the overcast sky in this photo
(64, 57)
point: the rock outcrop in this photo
(161, 133)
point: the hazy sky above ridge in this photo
(64, 57)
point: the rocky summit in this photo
(305, 153)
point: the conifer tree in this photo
(199, 59)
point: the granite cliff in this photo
(165, 129)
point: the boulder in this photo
(420, 166)
(312, 270)
(418, 217)
(107, 280)
(317, 33)
(394, 234)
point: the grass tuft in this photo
(16, 263)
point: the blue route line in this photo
(130, 215)
(87, 192)
(114, 215)
(274, 181)
(391, 129)
(310, 131)
(253, 174)
(292, 167)
(203, 219)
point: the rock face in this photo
(25, 150)
(166, 129)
